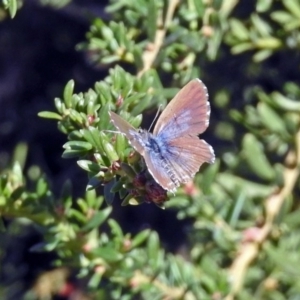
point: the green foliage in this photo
(261, 35)
(11, 6)
(243, 211)
(84, 118)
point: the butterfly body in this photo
(174, 152)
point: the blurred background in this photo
(249, 61)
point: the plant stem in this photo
(249, 251)
(152, 51)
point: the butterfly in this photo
(173, 152)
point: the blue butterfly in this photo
(173, 152)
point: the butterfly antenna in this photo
(157, 113)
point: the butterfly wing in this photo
(188, 154)
(129, 131)
(188, 112)
(186, 116)
(155, 166)
(160, 172)
(179, 163)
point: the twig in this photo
(249, 251)
(151, 52)
(169, 292)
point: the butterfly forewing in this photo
(129, 131)
(188, 112)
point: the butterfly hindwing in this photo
(160, 171)
(188, 154)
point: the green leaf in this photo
(116, 229)
(68, 92)
(92, 200)
(238, 206)
(136, 121)
(98, 218)
(108, 147)
(263, 5)
(92, 136)
(200, 8)
(66, 194)
(261, 26)
(13, 6)
(78, 145)
(284, 259)
(271, 119)
(285, 103)
(16, 194)
(120, 77)
(18, 172)
(59, 105)
(153, 246)
(49, 115)
(109, 59)
(104, 122)
(239, 30)
(70, 153)
(3, 183)
(107, 32)
(89, 166)
(77, 117)
(108, 195)
(95, 280)
(75, 100)
(151, 20)
(140, 238)
(282, 17)
(242, 47)
(42, 187)
(103, 89)
(293, 6)
(138, 60)
(117, 186)
(268, 43)
(262, 55)
(120, 145)
(20, 154)
(75, 135)
(127, 200)
(108, 254)
(42, 247)
(39, 247)
(3, 201)
(209, 176)
(93, 183)
(76, 215)
(128, 170)
(254, 154)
